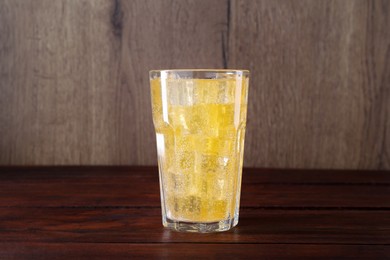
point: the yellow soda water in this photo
(200, 128)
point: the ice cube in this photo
(180, 92)
(211, 163)
(217, 146)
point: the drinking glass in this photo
(199, 117)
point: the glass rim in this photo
(216, 71)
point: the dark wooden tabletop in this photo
(114, 213)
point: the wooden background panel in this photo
(160, 35)
(74, 77)
(319, 94)
(59, 62)
(74, 74)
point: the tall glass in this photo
(199, 118)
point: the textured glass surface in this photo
(199, 118)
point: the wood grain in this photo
(60, 65)
(95, 212)
(320, 86)
(160, 35)
(74, 74)
(138, 187)
(143, 225)
(75, 91)
(188, 251)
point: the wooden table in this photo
(114, 213)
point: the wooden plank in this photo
(315, 176)
(189, 251)
(138, 193)
(316, 196)
(74, 74)
(160, 35)
(136, 187)
(250, 175)
(319, 91)
(143, 225)
(59, 67)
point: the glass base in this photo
(196, 227)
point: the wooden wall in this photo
(74, 77)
